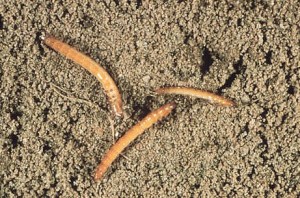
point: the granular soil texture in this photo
(55, 122)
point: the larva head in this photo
(43, 35)
(47, 38)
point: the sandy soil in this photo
(54, 115)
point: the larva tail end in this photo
(98, 175)
(117, 110)
(96, 178)
(119, 114)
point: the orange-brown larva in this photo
(197, 93)
(99, 72)
(130, 135)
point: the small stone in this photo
(146, 79)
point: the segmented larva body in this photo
(99, 72)
(197, 93)
(130, 135)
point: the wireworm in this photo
(197, 93)
(109, 86)
(130, 135)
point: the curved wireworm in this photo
(130, 135)
(197, 93)
(99, 72)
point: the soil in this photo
(55, 122)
